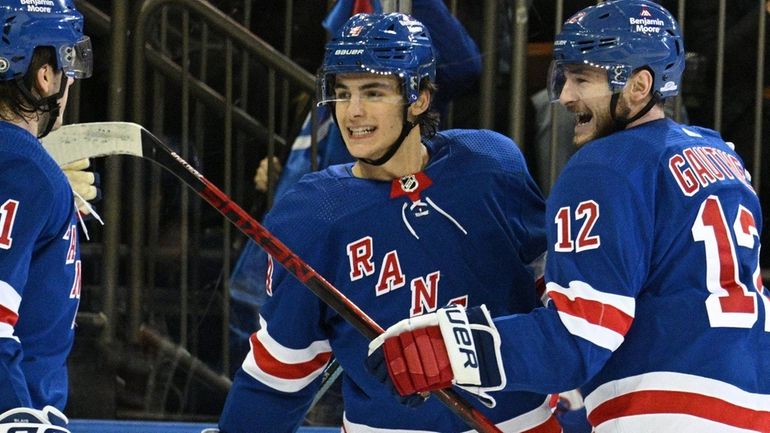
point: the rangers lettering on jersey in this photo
(391, 277)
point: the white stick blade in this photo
(91, 140)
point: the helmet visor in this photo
(329, 91)
(77, 59)
(585, 80)
(555, 80)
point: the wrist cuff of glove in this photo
(458, 338)
(473, 347)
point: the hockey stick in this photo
(90, 140)
(332, 372)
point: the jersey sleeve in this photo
(528, 218)
(281, 373)
(24, 210)
(599, 242)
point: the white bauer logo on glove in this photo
(464, 352)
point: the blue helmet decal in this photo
(28, 24)
(623, 36)
(392, 44)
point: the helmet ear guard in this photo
(622, 36)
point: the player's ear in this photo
(640, 85)
(421, 104)
(43, 81)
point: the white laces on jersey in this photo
(423, 212)
(91, 211)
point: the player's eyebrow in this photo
(582, 70)
(377, 85)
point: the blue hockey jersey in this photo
(658, 310)
(467, 229)
(39, 273)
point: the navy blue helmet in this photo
(54, 23)
(392, 44)
(621, 36)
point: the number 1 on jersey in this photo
(7, 218)
(731, 303)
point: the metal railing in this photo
(164, 256)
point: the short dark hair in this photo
(14, 103)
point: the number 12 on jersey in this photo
(731, 303)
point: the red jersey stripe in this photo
(686, 403)
(595, 312)
(275, 367)
(8, 316)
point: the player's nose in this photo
(568, 93)
(355, 106)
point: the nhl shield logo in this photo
(411, 186)
(409, 183)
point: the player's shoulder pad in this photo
(479, 148)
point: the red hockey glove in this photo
(437, 350)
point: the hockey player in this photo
(420, 220)
(458, 66)
(42, 51)
(657, 306)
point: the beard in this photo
(604, 123)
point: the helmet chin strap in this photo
(620, 122)
(406, 128)
(48, 105)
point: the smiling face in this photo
(586, 93)
(370, 112)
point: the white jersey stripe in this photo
(279, 383)
(287, 355)
(537, 420)
(6, 331)
(9, 297)
(280, 367)
(665, 397)
(667, 423)
(596, 334)
(670, 381)
(580, 289)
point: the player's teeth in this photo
(361, 131)
(583, 118)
